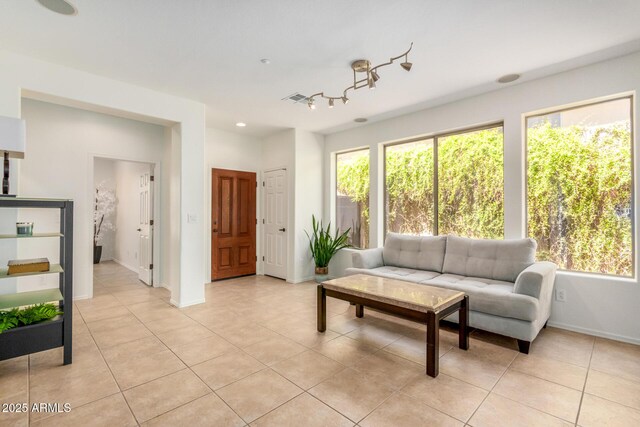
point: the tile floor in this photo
(251, 355)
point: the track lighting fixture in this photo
(372, 76)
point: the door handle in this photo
(139, 229)
(215, 230)
(282, 229)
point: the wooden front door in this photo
(233, 224)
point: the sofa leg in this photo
(523, 346)
(545, 325)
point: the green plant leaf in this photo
(323, 245)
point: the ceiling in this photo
(210, 50)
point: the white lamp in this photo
(12, 142)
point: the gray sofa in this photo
(509, 292)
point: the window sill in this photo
(597, 276)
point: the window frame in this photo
(436, 194)
(577, 106)
(335, 189)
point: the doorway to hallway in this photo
(124, 215)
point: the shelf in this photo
(34, 235)
(29, 298)
(54, 269)
(17, 202)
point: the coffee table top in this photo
(413, 296)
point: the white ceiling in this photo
(210, 50)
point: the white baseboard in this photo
(595, 333)
(127, 266)
(187, 304)
(77, 298)
(304, 279)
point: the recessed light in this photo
(265, 61)
(360, 120)
(508, 78)
(240, 124)
(62, 7)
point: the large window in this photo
(466, 194)
(580, 186)
(410, 190)
(471, 184)
(352, 196)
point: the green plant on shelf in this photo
(13, 318)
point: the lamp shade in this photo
(12, 136)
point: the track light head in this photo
(375, 76)
(372, 83)
(311, 104)
(345, 100)
(406, 65)
(330, 102)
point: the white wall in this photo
(227, 150)
(308, 198)
(104, 174)
(23, 76)
(59, 163)
(127, 242)
(595, 304)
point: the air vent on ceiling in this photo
(297, 98)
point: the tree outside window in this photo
(580, 186)
(352, 196)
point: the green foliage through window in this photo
(470, 185)
(579, 186)
(352, 182)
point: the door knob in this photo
(139, 229)
(282, 229)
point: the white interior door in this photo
(275, 223)
(145, 230)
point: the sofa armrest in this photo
(367, 258)
(536, 280)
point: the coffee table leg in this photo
(359, 310)
(322, 309)
(433, 342)
(463, 324)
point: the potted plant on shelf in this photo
(324, 246)
(105, 206)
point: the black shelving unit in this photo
(56, 332)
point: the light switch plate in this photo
(192, 218)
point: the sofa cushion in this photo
(491, 259)
(417, 252)
(399, 273)
(490, 296)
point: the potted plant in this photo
(324, 246)
(105, 206)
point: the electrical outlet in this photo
(561, 295)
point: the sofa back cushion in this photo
(491, 259)
(416, 252)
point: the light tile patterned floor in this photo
(251, 355)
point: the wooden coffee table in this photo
(422, 303)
